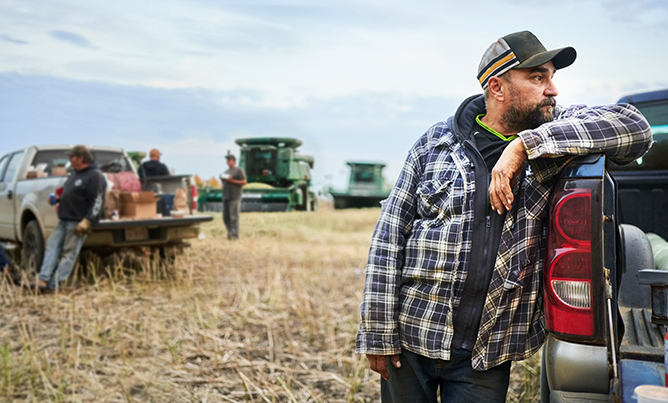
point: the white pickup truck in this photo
(27, 218)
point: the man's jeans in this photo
(63, 243)
(4, 260)
(419, 378)
(231, 211)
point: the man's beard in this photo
(518, 117)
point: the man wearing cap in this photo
(453, 280)
(153, 167)
(79, 206)
(234, 178)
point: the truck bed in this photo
(642, 339)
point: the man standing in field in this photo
(453, 280)
(79, 206)
(234, 178)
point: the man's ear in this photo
(497, 88)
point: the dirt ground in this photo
(269, 318)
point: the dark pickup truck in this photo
(606, 305)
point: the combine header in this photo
(366, 187)
(279, 177)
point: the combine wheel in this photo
(33, 248)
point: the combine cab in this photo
(366, 187)
(279, 178)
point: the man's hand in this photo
(83, 227)
(378, 363)
(505, 171)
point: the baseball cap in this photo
(520, 50)
(230, 157)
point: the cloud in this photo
(8, 38)
(72, 38)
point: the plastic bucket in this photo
(651, 394)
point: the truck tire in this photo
(33, 248)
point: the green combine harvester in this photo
(136, 157)
(278, 176)
(366, 187)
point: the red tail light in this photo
(568, 263)
(193, 192)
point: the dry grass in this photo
(269, 318)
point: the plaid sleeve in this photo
(379, 327)
(619, 131)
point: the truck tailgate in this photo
(108, 234)
(153, 222)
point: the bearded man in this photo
(454, 275)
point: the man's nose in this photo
(551, 89)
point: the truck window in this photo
(3, 165)
(112, 161)
(656, 113)
(12, 167)
(109, 161)
(51, 158)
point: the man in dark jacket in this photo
(80, 206)
(153, 167)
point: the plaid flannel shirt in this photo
(422, 241)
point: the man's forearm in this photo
(619, 131)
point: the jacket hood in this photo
(463, 120)
(92, 165)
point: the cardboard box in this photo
(58, 171)
(112, 202)
(138, 205)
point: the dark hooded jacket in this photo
(83, 195)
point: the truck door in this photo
(9, 165)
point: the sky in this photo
(353, 79)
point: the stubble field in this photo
(269, 318)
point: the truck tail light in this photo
(568, 265)
(193, 193)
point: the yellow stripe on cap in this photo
(496, 65)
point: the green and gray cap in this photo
(520, 50)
